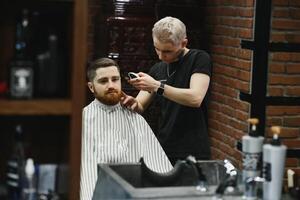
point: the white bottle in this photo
(252, 151)
(29, 189)
(273, 166)
(252, 157)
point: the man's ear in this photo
(184, 42)
(91, 87)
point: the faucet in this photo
(201, 184)
(230, 183)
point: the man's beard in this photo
(111, 97)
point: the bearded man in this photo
(111, 133)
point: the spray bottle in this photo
(252, 155)
(273, 166)
(29, 189)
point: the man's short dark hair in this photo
(100, 63)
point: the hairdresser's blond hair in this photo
(169, 29)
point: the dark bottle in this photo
(15, 166)
(21, 67)
(49, 70)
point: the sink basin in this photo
(125, 181)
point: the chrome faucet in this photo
(230, 183)
(202, 181)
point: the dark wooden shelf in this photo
(35, 107)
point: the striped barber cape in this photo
(114, 134)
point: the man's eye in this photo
(102, 81)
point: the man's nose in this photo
(111, 84)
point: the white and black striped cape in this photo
(113, 134)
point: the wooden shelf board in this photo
(35, 107)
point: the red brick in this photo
(293, 37)
(223, 11)
(294, 3)
(291, 143)
(228, 111)
(232, 133)
(239, 125)
(223, 30)
(214, 106)
(291, 162)
(246, 12)
(238, 63)
(218, 97)
(274, 121)
(282, 110)
(293, 68)
(286, 57)
(239, 105)
(278, 37)
(224, 90)
(225, 148)
(283, 36)
(228, 11)
(241, 85)
(281, 12)
(237, 134)
(244, 87)
(284, 80)
(231, 42)
(286, 24)
(232, 72)
(249, 3)
(281, 56)
(237, 22)
(240, 115)
(293, 91)
(217, 135)
(212, 116)
(295, 57)
(291, 121)
(295, 13)
(225, 41)
(229, 51)
(277, 67)
(275, 91)
(245, 33)
(280, 3)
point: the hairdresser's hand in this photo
(129, 102)
(145, 82)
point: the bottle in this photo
(252, 157)
(21, 67)
(273, 166)
(49, 69)
(29, 188)
(15, 166)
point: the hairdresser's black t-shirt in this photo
(183, 130)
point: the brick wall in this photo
(284, 75)
(230, 22)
